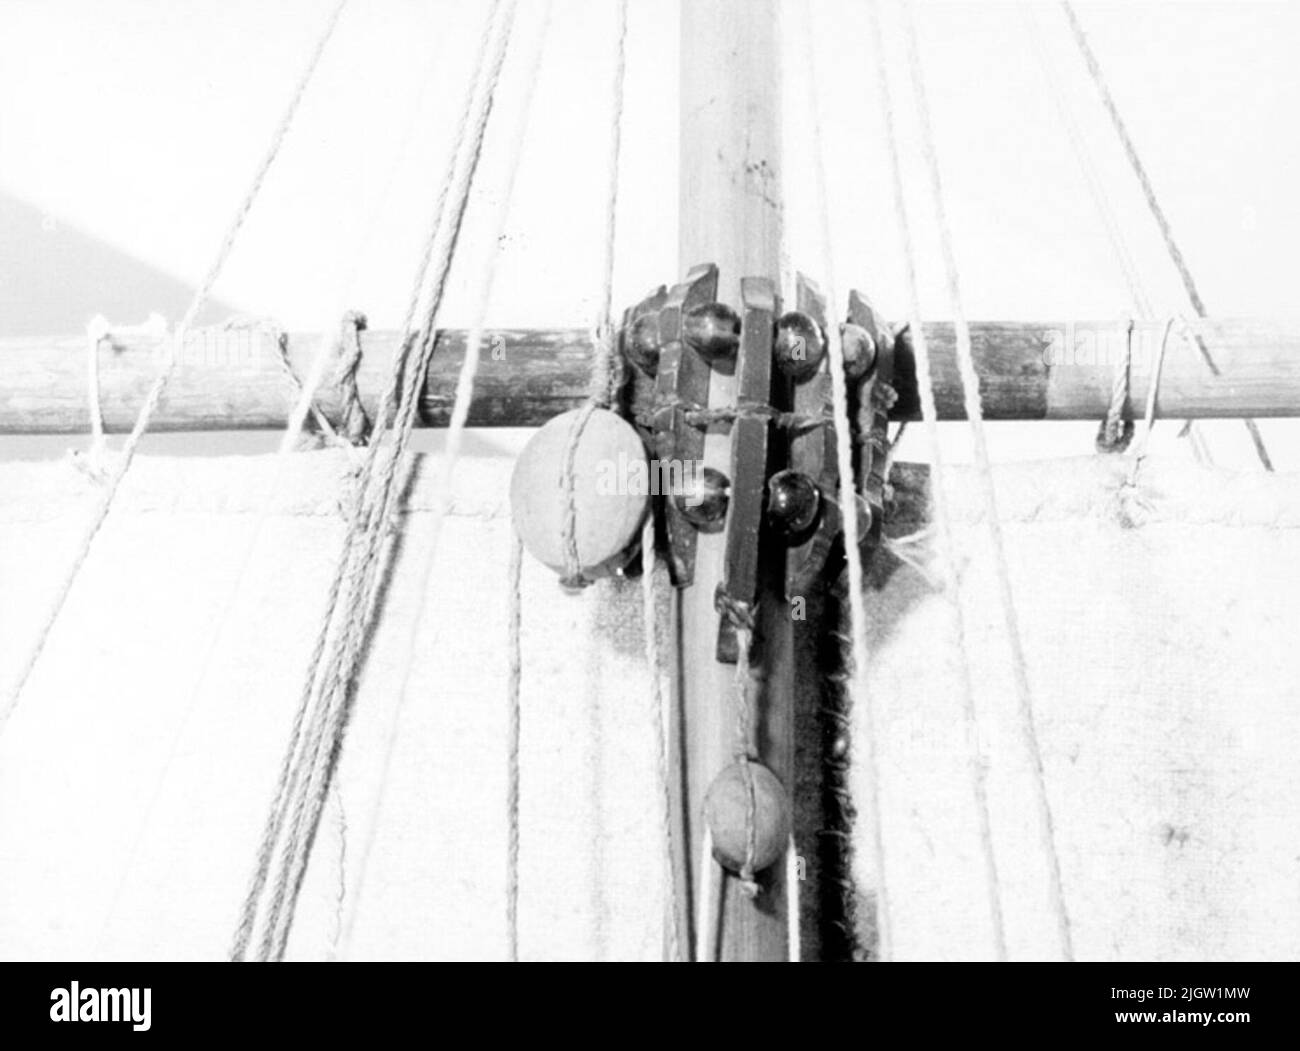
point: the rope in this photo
(744, 750)
(709, 908)
(205, 662)
(793, 933)
(856, 694)
(514, 679)
(367, 569)
(96, 332)
(1149, 417)
(1157, 212)
(159, 385)
(464, 396)
(606, 372)
(657, 666)
(939, 499)
(1116, 429)
(355, 573)
(1111, 439)
(974, 413)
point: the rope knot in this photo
(354, 425)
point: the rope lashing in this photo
(159, 385)
(280, 341)
(1153, 204)
(741, 618)
(1116, 430)
(96, 332)
(354, 424)
(99, 331)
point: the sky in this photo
(128, 132)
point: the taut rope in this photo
(159, 385)
(856, 695)
(938, 493)
(307, 761)
(1153, 203)
(975, 416)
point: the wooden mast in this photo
(730, 214)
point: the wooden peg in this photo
(681, 384)
(813, 453)
(749, 446)
(875, 397)
(639, 335)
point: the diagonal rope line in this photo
(451, 454)
(368, 571)
(361, 519)
(1153, 203)
(975, 416)
(1115, 430)
(856, 695)
(514, 681)
(168, 367)
(938, 494)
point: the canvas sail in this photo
(135, 775)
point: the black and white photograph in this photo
(602, 481)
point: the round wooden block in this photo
(725, 806)
(611, 506)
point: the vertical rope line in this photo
(606, 375)
(464, 396)
(856, 695)
(655, 665)
(793, 933)
(939, 498)
(709, 906)
(514, 682)
(376, 552)
(96, 332)
(1153, 203)
(974, 413)
(742, 685)
(603, 327)
(1116, 429)
(1149, 417)
(159, 385)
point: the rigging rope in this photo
(974, 413)
(1153, 203)
(445, 479)
(856, 694)
(514, 678)
(656, 666)
(331, 679)
(168, 366)
(938, 494)
(607, 372)
(368, 570)
(1116, 431)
